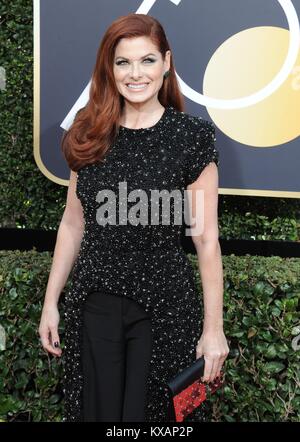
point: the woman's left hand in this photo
(213, 345)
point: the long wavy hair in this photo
(96, 125)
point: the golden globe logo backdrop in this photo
(237, 63)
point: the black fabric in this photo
(141, 261)
(116, 356)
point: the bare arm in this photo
(69, 237)
(67, 245)
(212, 343)
(208, 247)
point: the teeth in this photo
(135, 86)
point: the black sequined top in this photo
(145, 261)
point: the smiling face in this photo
(139, 69)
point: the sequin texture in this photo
(143, 262)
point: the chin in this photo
(138, 99)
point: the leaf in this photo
(251, 332)
(274, 367)
(295, 331)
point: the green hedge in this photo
(261, 317)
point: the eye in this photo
(120, 62)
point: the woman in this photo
(133, 318)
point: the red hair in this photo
(96, 125)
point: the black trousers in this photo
(117, 343)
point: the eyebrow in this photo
(140, 58)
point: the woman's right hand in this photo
(48, 330)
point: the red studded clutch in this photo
(187, 391)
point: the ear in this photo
(168, 60)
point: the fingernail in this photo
(56, 344)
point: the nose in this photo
(135, 70)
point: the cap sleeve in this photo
(201, 151)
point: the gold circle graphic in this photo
(244, 64)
